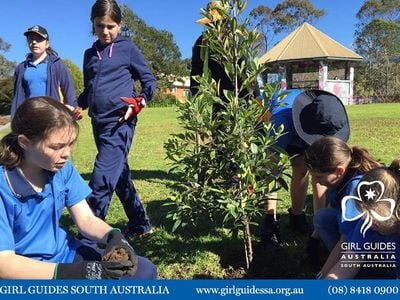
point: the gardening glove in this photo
(77, 113)
(117, 241)
(92, 270)
(135, 106)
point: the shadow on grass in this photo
(185, 246)
(189, 246)
(148, 175)
(285, 260)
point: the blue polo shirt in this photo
(348, 187)
(346, 228)
(35, 78)
(334, 198)
(282, 115)
(29, 221)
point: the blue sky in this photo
(69, 27)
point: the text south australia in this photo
(84, 290)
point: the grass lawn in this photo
(209, 252)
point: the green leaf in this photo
(254, 148)
(176, 225)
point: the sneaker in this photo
(270, 230)
(131, 234)
(299, 222)
(311, 257)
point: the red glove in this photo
(135, 107)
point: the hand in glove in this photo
(92, 270)
(118, 247)
(134, 108)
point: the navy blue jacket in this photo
(110, 72)
(217, 71)
(59, 82)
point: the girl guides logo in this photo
(368, 204)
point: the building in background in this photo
(309, 59)
(180, 89)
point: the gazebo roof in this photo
(308, 43)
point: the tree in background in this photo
(225, 158)
(388, 10)
(77, 76)
(6, 66)
(6, 79)
(285, 17)
(6, 94)
(262, 18)
(377, 39)
(159, 49)
(290, 14)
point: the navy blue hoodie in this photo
(59, 82)
(110, 72)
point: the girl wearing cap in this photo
(375, 207)
(110, 68)
(335, 165)
(43, 73)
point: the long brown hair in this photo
(103, 8)
(327, 153)
(35, 119)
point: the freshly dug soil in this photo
(117, 254)
(120, 254)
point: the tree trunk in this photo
(248, 246)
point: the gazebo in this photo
(301, 60)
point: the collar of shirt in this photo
(19, 186)
(31, 64)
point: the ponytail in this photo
(328, 152)
(362, 160)
(11, 152)
(51, 51)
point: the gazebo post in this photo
(282, 77)
(350, 77)
(323, 75)
(289, 76)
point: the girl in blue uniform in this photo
(338, 167)
(375, 206)
(111, 67)
(37, 181)
(43, 73)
